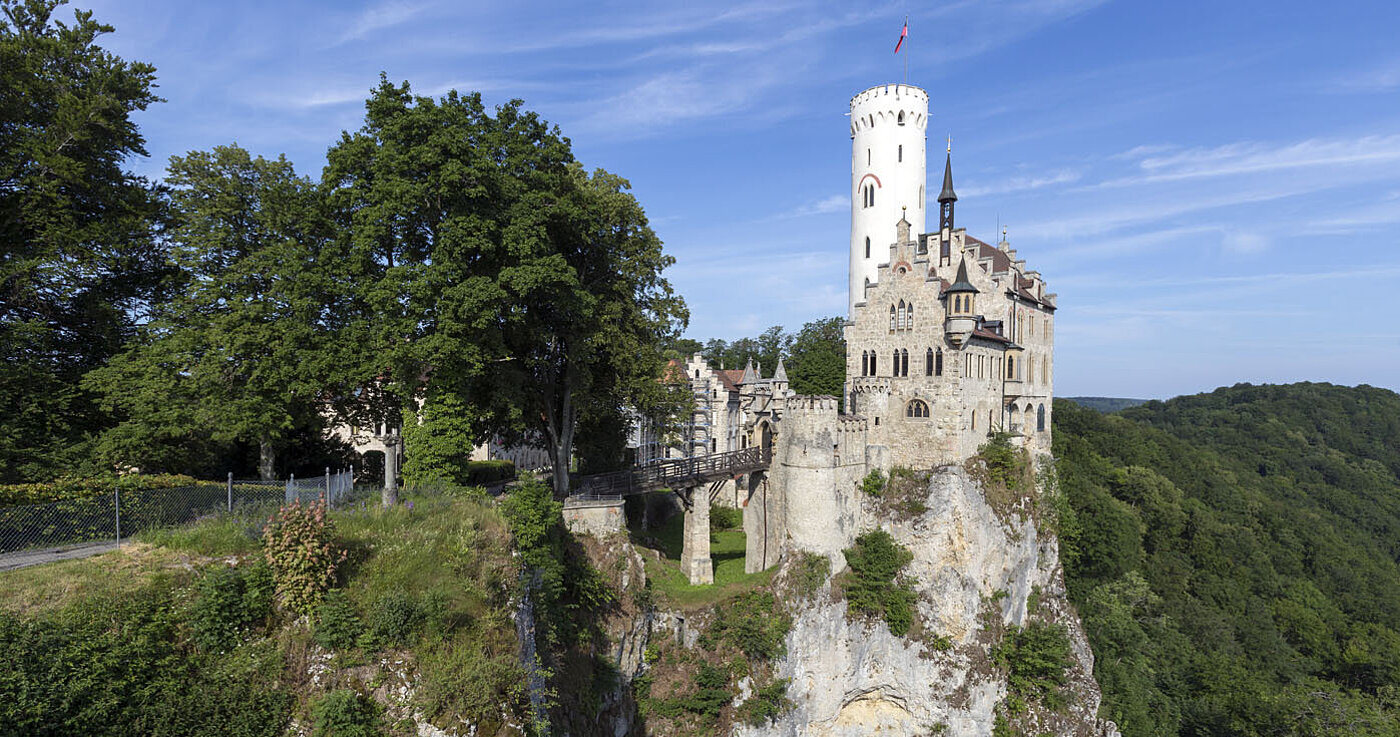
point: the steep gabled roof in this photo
(961, 284)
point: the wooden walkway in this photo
(675, 473)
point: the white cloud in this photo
(379, 17)
(1244, 242)
(1382, 77)
(834, 203)
(1021, 183)
(1253, 158)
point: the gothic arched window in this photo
(900, 119)
(928, 363)
(938, 363)
(891, 318)
(899, 323)
(872, 364)
(867, 246)
(1011, 367)
(904, 363)
(1040, 419)
(865, 363)
(872, 195)
(909, 317)
(916, 408)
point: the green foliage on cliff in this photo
(874, 586)
(1234, 558)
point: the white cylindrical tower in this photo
(888, 169)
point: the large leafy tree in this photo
(79, 262)
(240, 352)
(490, 266)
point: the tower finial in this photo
(950, 143)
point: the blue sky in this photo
(1213, 189)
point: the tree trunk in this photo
(267, 459)
(390, 496)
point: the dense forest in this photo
(1234, 558)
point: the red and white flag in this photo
(903, 34)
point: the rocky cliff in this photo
(978, 574)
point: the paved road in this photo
(25, 558)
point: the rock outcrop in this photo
(978, 573)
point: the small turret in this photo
(750, 376)
(960, 305)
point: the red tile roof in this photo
(989, 335)
(730, 378)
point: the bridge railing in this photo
(673, 472)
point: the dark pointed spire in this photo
(961, 284)
(948, 195)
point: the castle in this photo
(948, 339)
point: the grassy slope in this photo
(727, 552)
(448, 560)
(1234, 557)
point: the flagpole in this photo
(906, 56)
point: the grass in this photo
(52, 586)
(726, 551)
(235, 534)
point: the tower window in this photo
(867, 246)
(938, 363)
(865, 363)
(892, 318)
(872, 365)
(916, 408)
(901, 117)
(903, 363)
(928, 363)
(1011, 367)
(899, 323)
(894, 370)
(1040, 419)
(901, 146)
(867, 157)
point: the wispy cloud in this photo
(1253, 158)
(1382, 77)
(379, 17)
(1021, 183)
(834, 203)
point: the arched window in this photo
(872, 195)
(872, 364)
(891, 318)
(1040, 419)
(899, 323)
(916, 408)
(938, 363)
(900, 149)
(865, 363)
(904, 363)
(867, 246)
(909, 317)
(1011, 367)
(901, 117)
(928, 363)
(894, 370)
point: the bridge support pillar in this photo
(695, 545)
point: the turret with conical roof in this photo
(961, 306)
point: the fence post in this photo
(117, 509)
(230, 491)
(326, 496)
(291, 486)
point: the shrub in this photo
(1006, 464)
(725, 518)
(70, 487)
(766, 704)
(298, 547)
(711, 693)
(1036, 658)
(480, 473)
(345, 713)
(394, 616)
(337, 622)
(873, 483)
(872, 588)
(228, 601)
(809, 572)
(753, 623)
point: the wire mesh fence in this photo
(113, 517)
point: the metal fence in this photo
(113, 517)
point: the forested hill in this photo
(1234, 558)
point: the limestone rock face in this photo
(975, 573)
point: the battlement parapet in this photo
(812, 404)
(870, 385)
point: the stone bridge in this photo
(696, 480)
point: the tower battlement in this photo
(812, 404)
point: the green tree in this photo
(491, 266)
(80, 264)
(817, 358)
(236, 353)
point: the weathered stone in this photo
(597, 517)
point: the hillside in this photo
(1234, 558)
(1106, 404)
